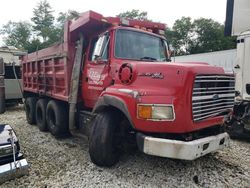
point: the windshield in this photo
(139, 46)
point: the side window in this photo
(92, 46)
(99, 48)
(106, 48)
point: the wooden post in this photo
(74, 85)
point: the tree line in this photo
(41, 31)
(187, 36)
(198, 36)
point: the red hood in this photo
(162, 76)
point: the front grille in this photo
(212, 96)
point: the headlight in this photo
(156, 112)
(7, 150)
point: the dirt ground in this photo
(66, 163)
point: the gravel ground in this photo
(66, 163)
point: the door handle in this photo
(237, 67)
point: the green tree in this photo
(43, 33)
(201, 35)
(180, 36)
(17, 34)
(134, 14)
(65, 16)
(210, 37)
(34, 45)
(43, 20)
(62, 18)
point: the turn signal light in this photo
(144, 112)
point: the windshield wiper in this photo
(166, 59)
(148, 58)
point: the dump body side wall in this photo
(48, 72)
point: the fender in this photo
(108, 100)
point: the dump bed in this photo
(48, 71)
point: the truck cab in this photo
(107, 51)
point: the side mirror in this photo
(171, 51)
(2, 72)
(98, 48)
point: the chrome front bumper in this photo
(180, 149)
(10, 171)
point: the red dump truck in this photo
(113, 78)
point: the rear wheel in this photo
(30, 109)
(57, 118)
(41, 114)
(105, 139)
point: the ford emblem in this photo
(215, 97)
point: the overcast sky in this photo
(165, 11)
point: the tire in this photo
(104, 139)
(30, 109)
(41, 114)
(57, 118)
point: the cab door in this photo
(96, 73)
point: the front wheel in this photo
(104, 139)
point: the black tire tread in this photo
(30, 103)
(42, 103)
(101, 146)
(61, 117)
